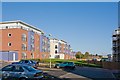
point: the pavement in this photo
(80, 73)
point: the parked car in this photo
(32, 63)
(65, 65)
(20, 72)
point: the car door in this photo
(64, 64)
(17, 72)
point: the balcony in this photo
(114, 38)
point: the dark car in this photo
(20, 72)
(65, 65)
(32, 63)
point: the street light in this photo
(50, 61)
(50, 55)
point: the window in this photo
(32, 47)
(32, 38)
(55, 46)
(57, 56)
(45, 49)
(24, 38)
(9, 35)
(32, 55)
(9, 44)
(24, 47)
(6, 27)
(24, 56)
(29, 68)
(55, 51)
(43, 55)
(18, 69)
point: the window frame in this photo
(9, 44)
(9, 35)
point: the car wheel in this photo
(22, 79)
(58, 66)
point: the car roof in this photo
(25, 60)
(68, 62)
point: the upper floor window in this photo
(6, 27)
(9, 44)
(32, 38)
(24, 37)
(32, 47)
(55, 46)
(9, 34)
(24, 47)
(55, 51)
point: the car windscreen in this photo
(65, 62)
(29, 68)
(71, 63)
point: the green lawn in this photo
(77, 62)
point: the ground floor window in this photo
(24, 56)
(57, 56)
(32, 55)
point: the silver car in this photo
(20, 72)
(28, 62)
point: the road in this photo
(81, 73)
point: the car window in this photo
(22, 61)
(29, 68)
(31, 61)
(71, 63)
(26, 61)
(65, 62)
(18, 69)
(7, 68)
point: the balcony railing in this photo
(114, 38)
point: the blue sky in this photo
(86, 26)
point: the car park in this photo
(70, 65)
(32, 63)
(20, 72)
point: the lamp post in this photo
(50, 54)
(50, 61)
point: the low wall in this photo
(96, 62)
(111, 65)
(107, 65)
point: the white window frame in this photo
(25, 55)
(24, 47)
(9, 44)
(24, 37)
(9, 35)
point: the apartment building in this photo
(72, 54)
(19, 40)
(65, 49)
(59, 49)
(54, 48)
(116, 45)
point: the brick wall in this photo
(111, 65)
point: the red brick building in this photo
(19, 40)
